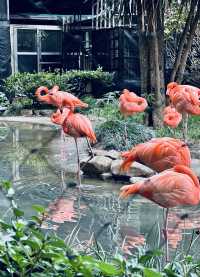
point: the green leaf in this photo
(33, 244)
(38, 208)
(151, 273)
(108, 269)
(58, 243)
(36, 219)
(18, 212)
(6, 185)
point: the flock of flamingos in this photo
(175, 183)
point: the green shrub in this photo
(75, 81)
(122, 134)
(3, 101)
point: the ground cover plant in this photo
(25, 250)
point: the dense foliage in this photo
(24, 85)
(3, 101)
(122, 135)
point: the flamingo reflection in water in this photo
(178, 225)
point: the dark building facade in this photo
(78, 34)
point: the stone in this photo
(134, 180)
(195, 166)
(113, 154)
(96, 165)
(45, 112)
(106, 176)
(26, 112)
(136, 170)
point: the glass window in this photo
(51, 41)
(26, 40)
(51, 58)
(50, 67)
(27, 63)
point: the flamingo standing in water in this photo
(60, 99)
(185, 99)
(75, 125)
(130, 104)
(173, 187)
(158, 153)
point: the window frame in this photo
(38, 53)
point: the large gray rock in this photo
(106, 176)
(96, 166)
(195, 165)
(113, 154)
(136, 170)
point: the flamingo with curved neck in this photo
(59, 98)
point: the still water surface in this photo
(38, 164)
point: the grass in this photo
(108, 108)
(193, 130)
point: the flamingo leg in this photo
(185, 126)
(125, 132)
(62, 139)
(165, 231)
(78, 160)
(63, 185)
(90, 147)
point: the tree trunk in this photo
(143, 55)
(154, 63)
(188, 45)
(183, 39)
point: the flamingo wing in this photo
(82, 125)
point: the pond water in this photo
(38, 165)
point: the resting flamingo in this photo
(130, 104)
(158, 153)
(173, 187)
(185, 99)
(171, 117)
(58, 98)
(75, 125)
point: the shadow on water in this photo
(37, 163)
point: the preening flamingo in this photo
(185, 99)
(75, 125)
(158, 153)
(173, 187)
(58, 98)
(171, 117)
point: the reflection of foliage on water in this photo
(4, 130)
(21, 154)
